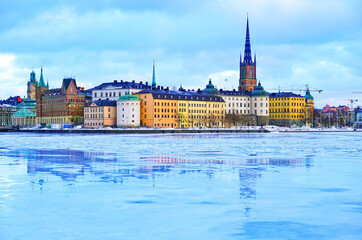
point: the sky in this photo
(297, 42)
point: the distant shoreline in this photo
(165, 131)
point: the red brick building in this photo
(61, 105)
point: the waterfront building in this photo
(100, 113)
(113, 90)
(287, 109)
(23, 118)
(60, 105)
(33, 84)
(242, 107)
(25, 114)
(6, 111)
(260, 105)
(128, 111)
(247, 80)
(159, 109)
(309, 107)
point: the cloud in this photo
(297, 42)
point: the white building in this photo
(128, 111)
(113, 90)
(236, 102)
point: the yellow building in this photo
(180, 109)
(309, 107)
(100, 113)
(287, 109)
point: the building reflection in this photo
(115, 168)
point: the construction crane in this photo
(357, 92)
(302, 90)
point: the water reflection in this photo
(115, 168)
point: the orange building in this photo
(159, 109)
(100, 113)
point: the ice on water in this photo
(181, 186)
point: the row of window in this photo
(286, 104)
(110, 94)
(95, 109)
(96, 124)
(300, 116)
(286, 110)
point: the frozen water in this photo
(181, 186)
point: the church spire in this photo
(41, 80)
(247, 51)
(153, 76)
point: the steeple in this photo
(32, 77)
(247, 51)
(153, 76)
(41, 81)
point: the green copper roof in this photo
(32, 77)
(128, 98)
(41, 81)
(308, 96)
(24, 113)
(259, 91)
(210, 89)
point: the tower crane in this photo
(302, 90)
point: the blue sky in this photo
(297, 42)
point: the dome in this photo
(259, 91)
(308, 96)
(210, 89)
(128, 98)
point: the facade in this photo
(100, 113)
(260, 105)
(242, 107)
(287, 109)
(128, 111)
(247, 80)
(309, 108)
(33, 84)
(113, 90)
(180, 109)
(24, 118)
(6, 111)
(60, 105)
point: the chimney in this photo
(121, 81)
(140, 82)
(115, 81)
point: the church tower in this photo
(247, 81)
(40, 89)
(32, 84)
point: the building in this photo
(162, 108)
(33, 84)
(128, 111)
(14, 101)
(247, 80)
(100, 113)
(243, 107)
(309, 107)
(113, 90)
(60, 105)
(287, 109)
(24, 118)
(260, 105)
(6, 111)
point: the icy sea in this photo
(181, 186)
